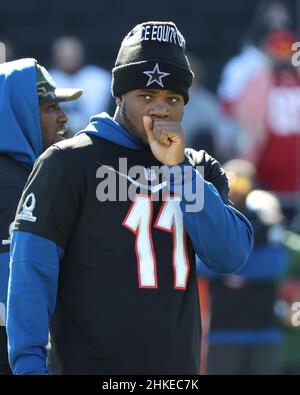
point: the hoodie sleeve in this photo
(6, 218)
(47, 212)
(31, 301)
(221, 236)
(13, 177)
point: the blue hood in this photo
(21, 136)
(102, 125)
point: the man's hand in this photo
(166, 140)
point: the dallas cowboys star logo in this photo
(155, 76)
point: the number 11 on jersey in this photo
(139, 221)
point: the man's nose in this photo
(62, 117)
(159, 110)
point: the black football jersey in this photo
(127, 299)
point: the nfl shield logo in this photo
(150, 174)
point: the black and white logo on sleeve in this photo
(155, 75)
(28, 207)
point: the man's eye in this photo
(52, 106)
(173, 99)
(145, 97)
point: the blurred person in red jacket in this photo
(267, 112)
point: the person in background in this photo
(245, 82)
(70, 69)
(31, 121)
(202, 113)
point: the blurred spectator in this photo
(278, 164)
(202, 113)
(244, 334)
(270, 15)
(241, 175)
(248, 73)
(260, 95)
(69, 69)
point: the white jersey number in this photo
(139, 220)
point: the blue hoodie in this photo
(20, 138)
(28, 337)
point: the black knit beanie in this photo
(152, 56)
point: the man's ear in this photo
(118, 101)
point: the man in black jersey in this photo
(31, 120)
(114, 278)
